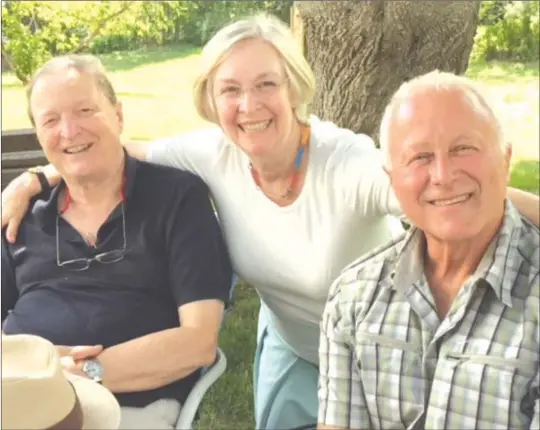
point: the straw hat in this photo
(37, 394)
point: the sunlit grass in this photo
(513, 90)
(526, 176)
(154, 87)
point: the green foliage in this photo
(510, 31)
(20, 46)
(492, 12)
(148, 23)
(209, 16)
(525, 175)
(33, 31)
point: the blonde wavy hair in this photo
(271, 30)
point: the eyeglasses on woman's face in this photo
(261, 90)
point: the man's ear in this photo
(120, 115)
(387, 170)
(507, 160)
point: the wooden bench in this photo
(20, 150)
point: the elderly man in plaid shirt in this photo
(440, 329)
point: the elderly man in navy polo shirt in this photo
(122, 265)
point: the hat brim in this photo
(100, 408)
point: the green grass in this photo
(155, 88)
(230, 402)
(525, 175)
(153, 85)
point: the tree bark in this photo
(362, 51)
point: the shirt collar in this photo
(45, 208)
(499, 265)
(502, 270)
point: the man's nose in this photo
(68, 128)
(442, 170)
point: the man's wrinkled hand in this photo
(82, 352)
(72, 366)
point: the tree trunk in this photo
(362, 51)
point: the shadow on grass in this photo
(525, 175)
(502, 71)
(229, 403)
(126, 60)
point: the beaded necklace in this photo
(289, 192)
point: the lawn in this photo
(155, 88)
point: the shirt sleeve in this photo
(10, 294)
(367, 184)
(341, 393)
(358, 166)
(194, 151)
(199, 265)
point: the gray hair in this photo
(277, 34)
(88, 64)
(440, 81)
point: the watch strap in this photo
(38, 171)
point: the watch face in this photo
(93, 370)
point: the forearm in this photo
(527, 203)
(156, 359)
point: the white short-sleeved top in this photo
(292, 254)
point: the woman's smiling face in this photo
(252, 98)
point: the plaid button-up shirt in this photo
(387, 361)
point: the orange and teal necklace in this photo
(289, 192)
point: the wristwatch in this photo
(93, 369)
(39, 172)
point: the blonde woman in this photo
(298, 199)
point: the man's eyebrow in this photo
(47, 112)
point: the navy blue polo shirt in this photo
(175, 255)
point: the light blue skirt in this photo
(285, 385)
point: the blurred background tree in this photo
(33, 31)
(508, 30)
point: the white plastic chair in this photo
(209, 375)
